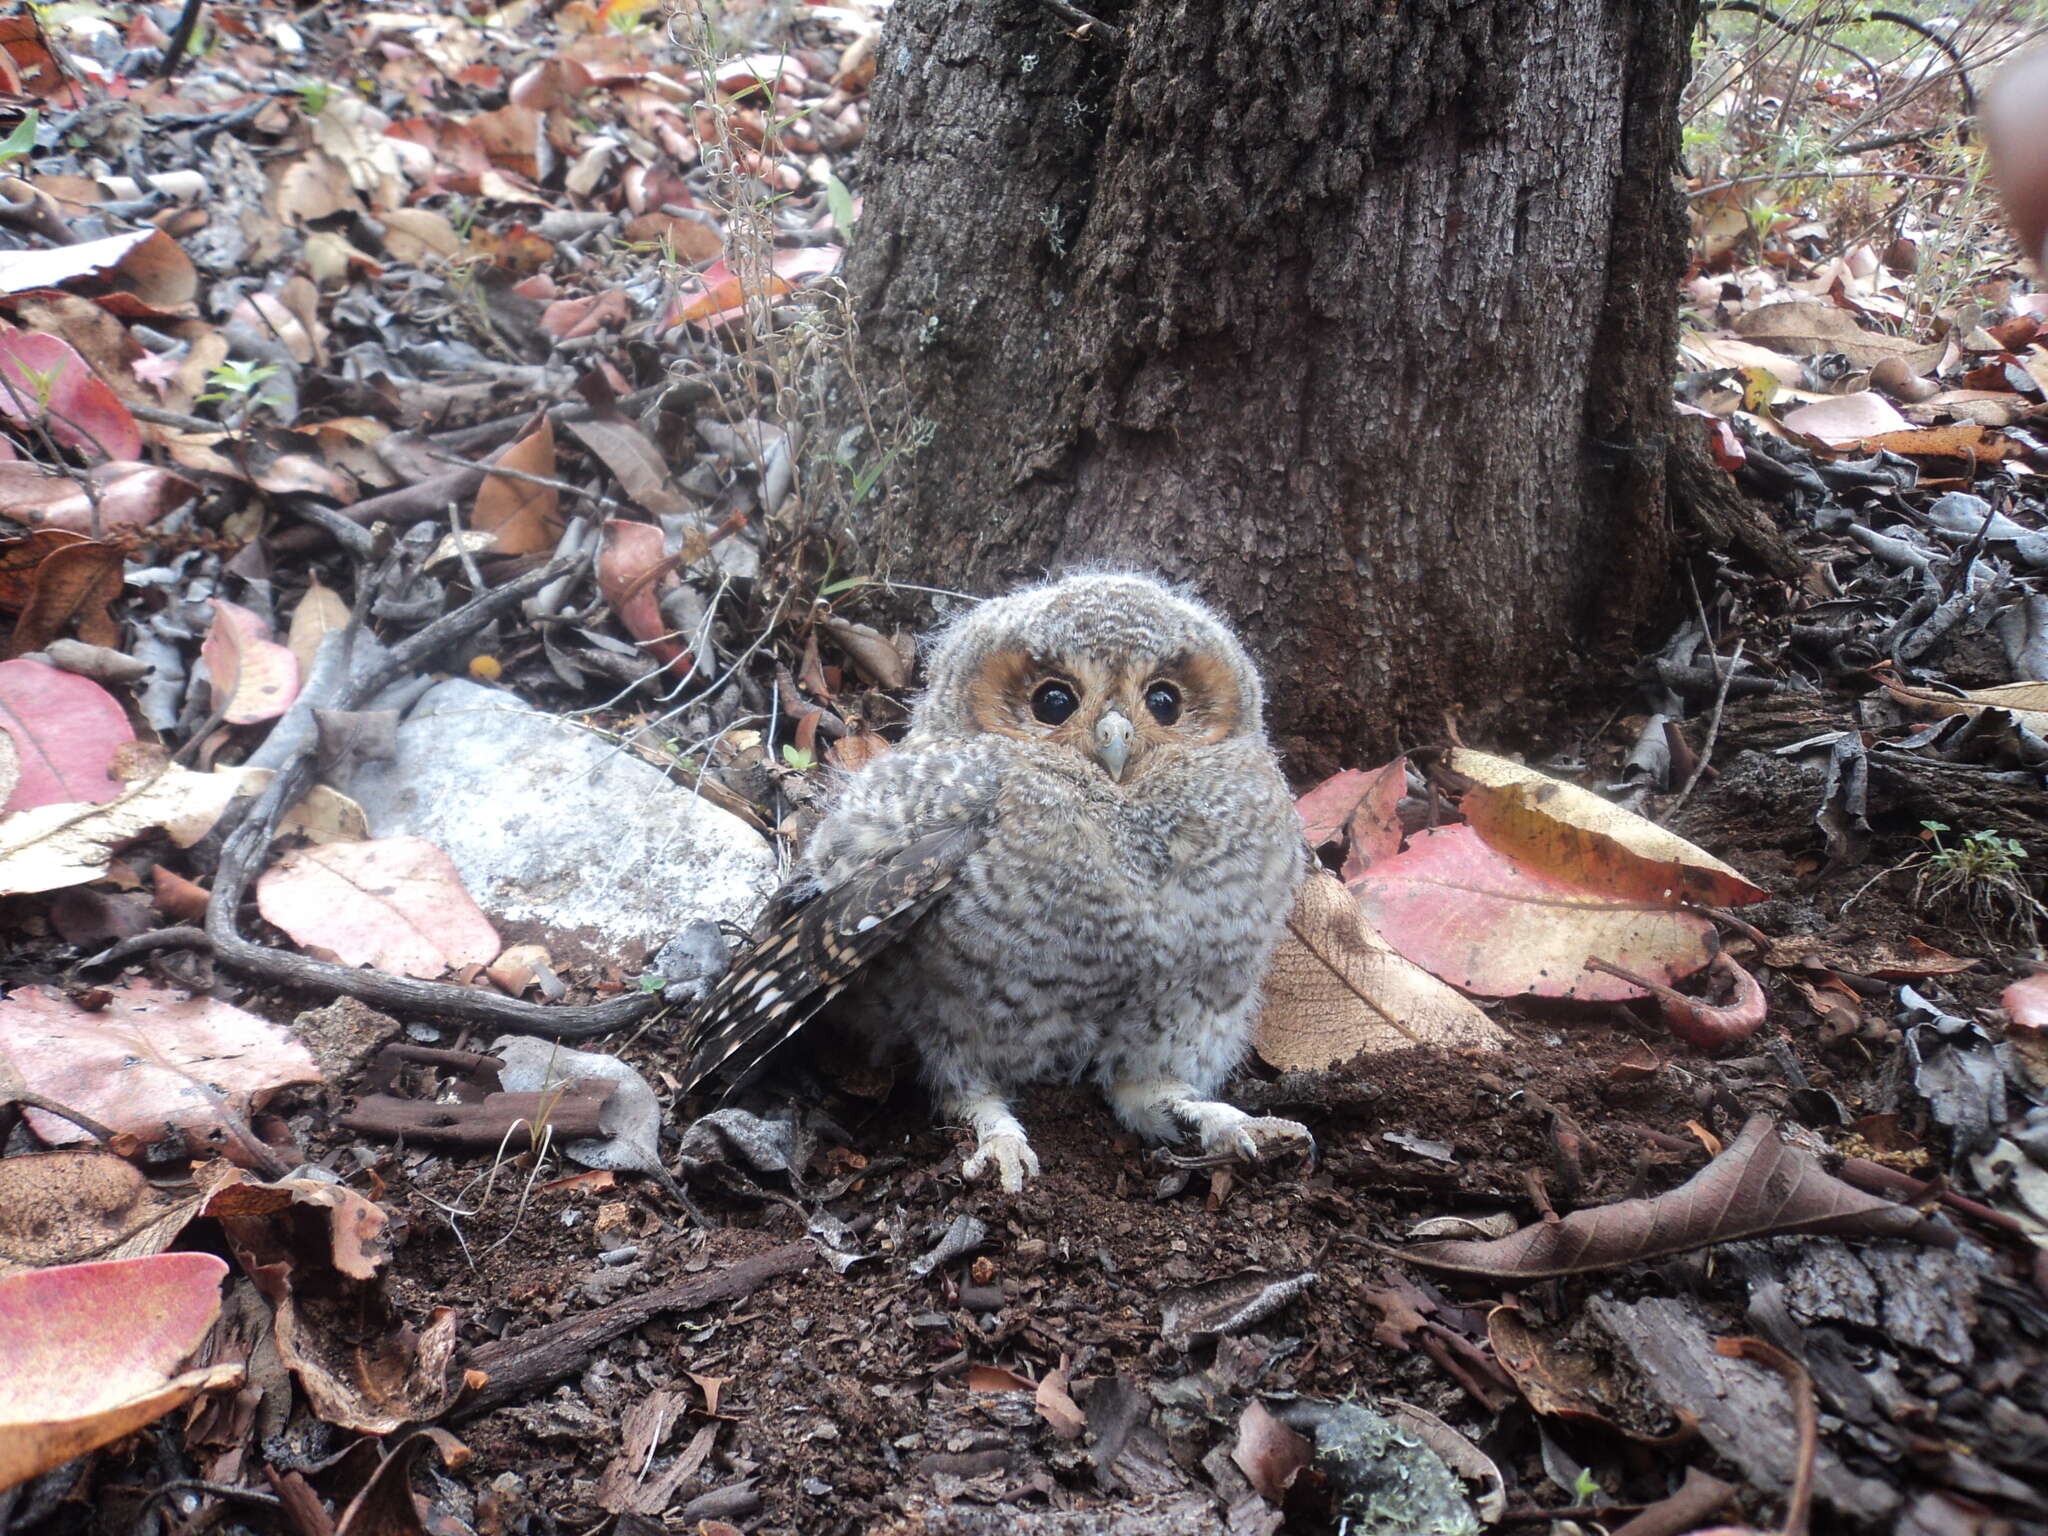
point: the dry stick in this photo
(1083, 24)
(1713, 733)
(1805, 1416)
(1769, 176)
(546, 482)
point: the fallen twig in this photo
(519, 1367)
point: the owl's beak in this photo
(1113, 736)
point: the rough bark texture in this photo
(1357, 316)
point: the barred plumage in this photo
(1077, 862)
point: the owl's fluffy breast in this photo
(1085, 903)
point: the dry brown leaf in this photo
(1268, 1453)
(151, 1062)
(1057, 1407)
(2027, 701)
(81, 1203)
(1571, 833)
(1809, 327)
(320, 613)
(870, 651)
(527, 518)
(74, 582)
(1759, 1187)
(1337, 990)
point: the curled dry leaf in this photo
(1337, 990)
(394, 903)
(2027, 701)
(1229, 1306)
(1564, 1372)
(1057, 1407)
(62, 844)
(1759, 1187)
(64, 730)
(151, 1063)
(870, 650)
(1491, 925)
(1571, 833)
(254, 678)
(362, 1365)
(633, 567)
(92, 1351)
(1710, 1026)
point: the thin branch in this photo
(1713, 733)
(1083, 24)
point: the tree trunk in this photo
(1355, 315)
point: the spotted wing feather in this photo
(811, 945)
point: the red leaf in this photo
(44, 379)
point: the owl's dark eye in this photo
(1054, 701)
(1163, 700)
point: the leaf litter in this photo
(516, 311)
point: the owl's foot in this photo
(1224, 1131)
(999, 1142)
(1227, 1131)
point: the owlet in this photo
(1077, 862)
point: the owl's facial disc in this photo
(1113, 709)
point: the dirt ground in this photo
(842, 1400)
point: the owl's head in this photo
(1114, 666)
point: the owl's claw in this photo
(1010, 1156)
(1227, 1131)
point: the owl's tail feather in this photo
(812, 943)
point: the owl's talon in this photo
(1010, 1156)
(1227, 1131)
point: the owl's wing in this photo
(811, 944)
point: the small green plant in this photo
(20, 142)
(796, 757)
(1981, 872)
(314, 96)
(1586, 1487)
(236, 379)
(840, 202)
(42, 383)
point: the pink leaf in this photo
(255, 676)
(92, 1352)
(44, 379)
(2026, 1002)
(1357, 809)
(395, 903)
(65, 728)
(1846, 418)
(152, 1063)
(1482, 922)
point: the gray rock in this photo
(563, 837)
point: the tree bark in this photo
(1355, 315)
